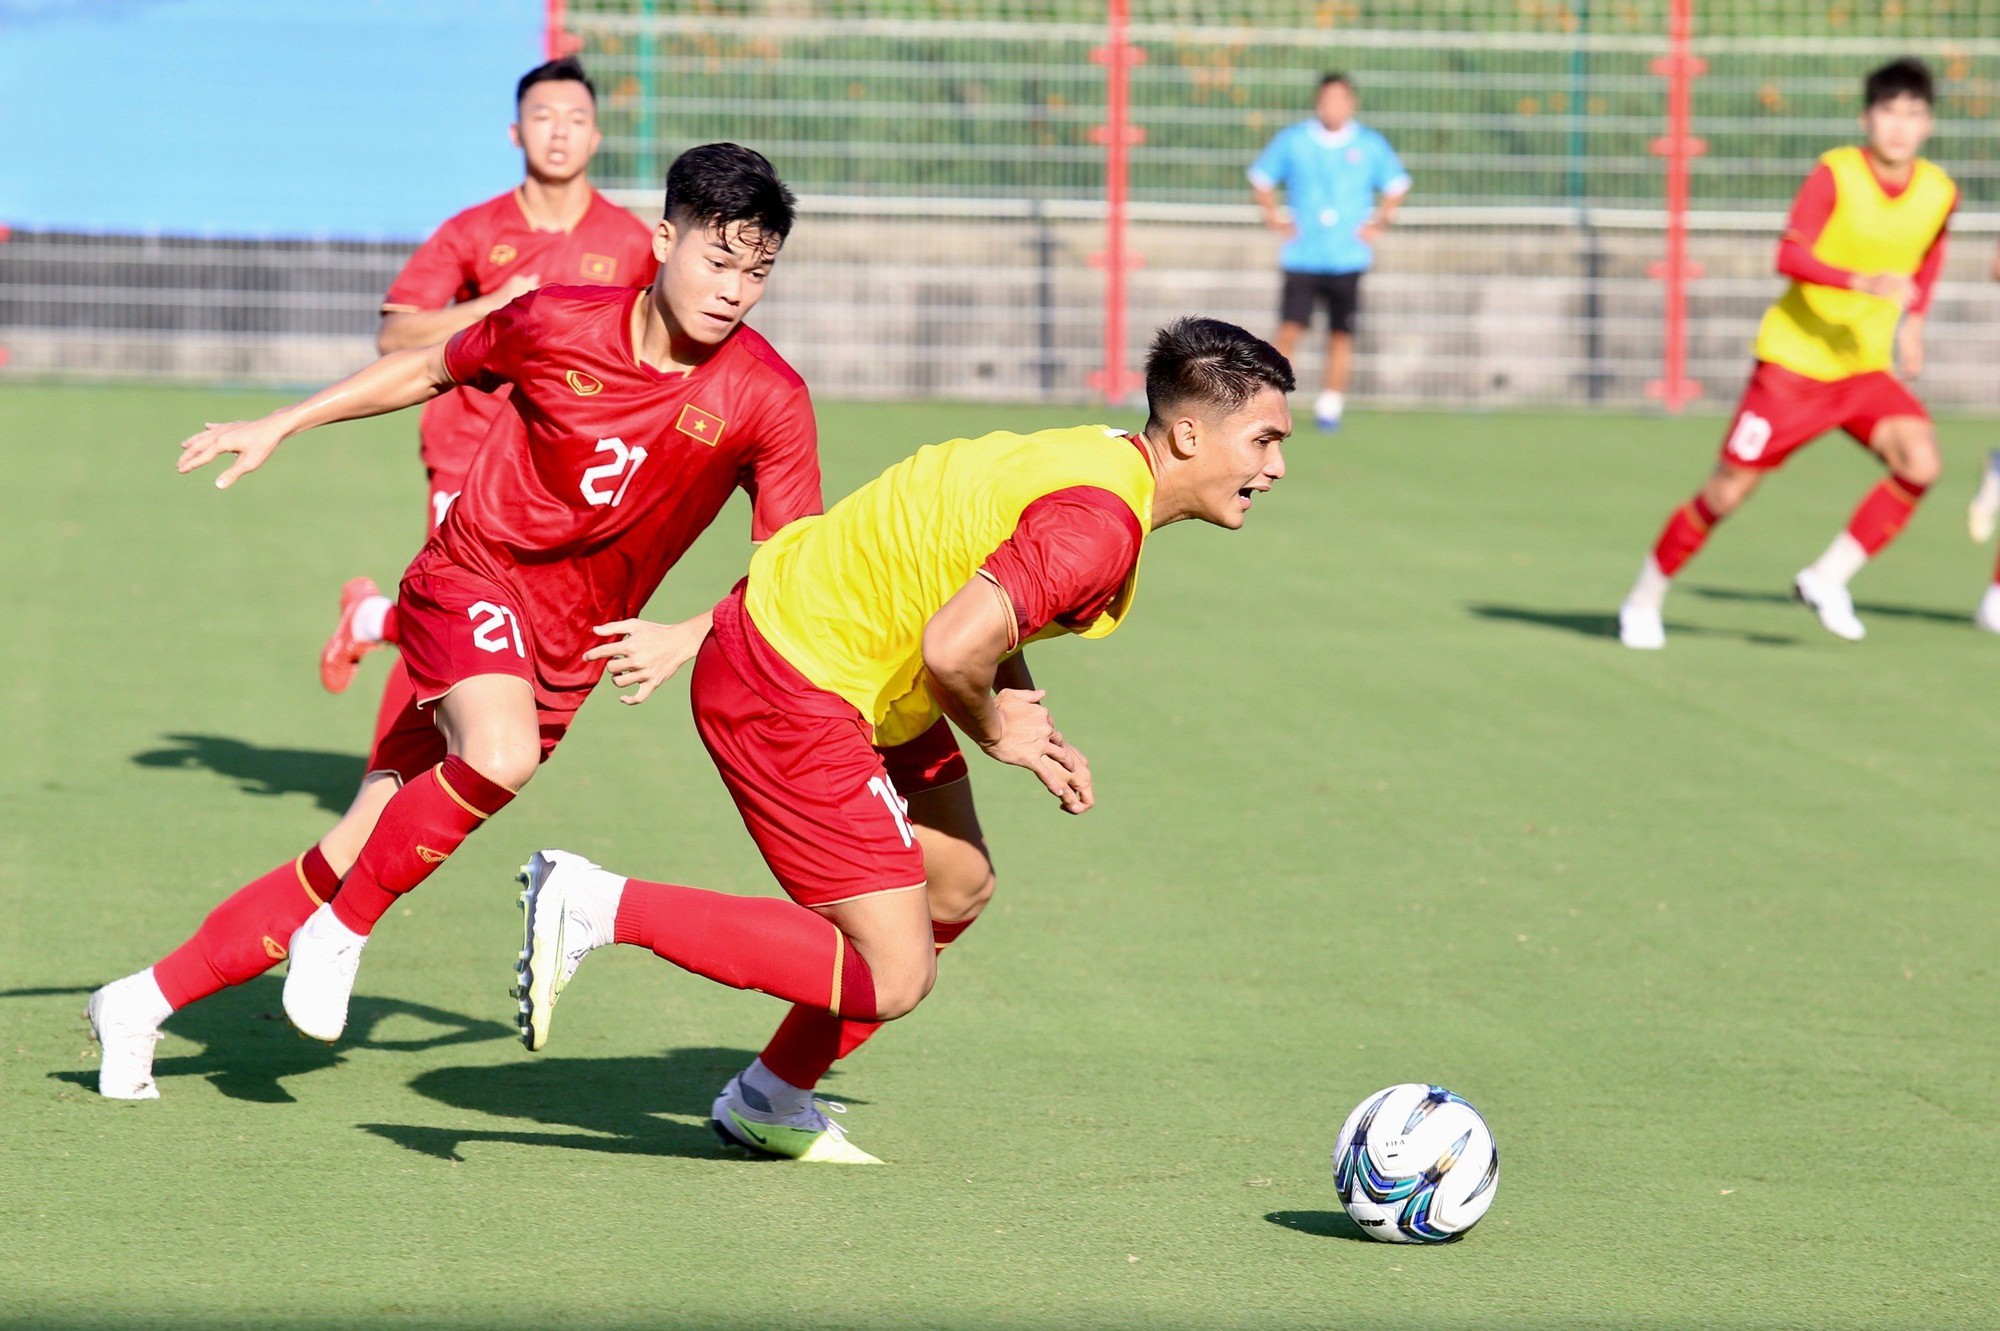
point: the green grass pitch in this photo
(1709, 935)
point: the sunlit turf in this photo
(1709, 935)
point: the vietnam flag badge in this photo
(703, 425)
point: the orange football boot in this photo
(341, 656)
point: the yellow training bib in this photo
(845, 597)
(1830, 332)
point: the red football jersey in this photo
(610, 469)
(475, 253)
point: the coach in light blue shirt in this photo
(1343, 183)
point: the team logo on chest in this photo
(501, 255)
(599, 267)
(703, 425)
(583, 385)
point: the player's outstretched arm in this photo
(963, 646)
(648, 654)
(403, 329)
(399, 379)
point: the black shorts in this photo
(1303, 291)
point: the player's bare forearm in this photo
(1013, 673)
(964, 646)
(400, 379)
(401, 330)
(648, 654)
(1387, 206)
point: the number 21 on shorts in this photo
(494, 628)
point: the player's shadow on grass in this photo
(1599, 624)
(330, 778)
(621, 1106)
(249, 1049)
(1322, 1224)
(1917, 612)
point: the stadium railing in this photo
(954, 199)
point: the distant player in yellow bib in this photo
(823, 695)
(1862, 248)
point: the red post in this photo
(1680, 68)
(557, 40)
(1117, 134)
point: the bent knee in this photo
(956, 903)
(504, 763)
(1920, 463)
(898, 992)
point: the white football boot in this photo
(1832, 602)
(325, 954)
(569, 908)
(808, 1135)
(125, 1018)
(1988, 614)
(1640, 627)
(1982, 516)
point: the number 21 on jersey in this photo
(623, 466)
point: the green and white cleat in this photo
(569, 907)
(808, 1135)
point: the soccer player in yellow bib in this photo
(823, 691)
(1862, 248)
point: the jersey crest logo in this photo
(599, 267)
(583, 385)
(703, 425)
(501, 255)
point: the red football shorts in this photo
(931, 760)
(815, 794)
(1782, 411)
(452, 625)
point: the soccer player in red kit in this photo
(551, 228)
(822, 696)
(1863, 248)
(633, 417)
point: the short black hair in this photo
(566, 70)
(720, 184)
(1207, 361)
(1333, 76)
(1907, 76)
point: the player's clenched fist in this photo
(250, 441)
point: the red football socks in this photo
(247, 934)
(1685, 531)
(776, 947)
(1883, 512)
(810, 1039)
(390, 632)
(420, 827)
